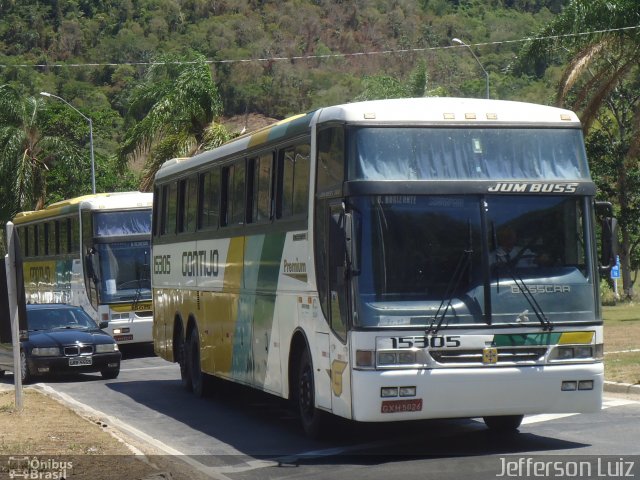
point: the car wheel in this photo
(110, 373)
(312, 419)
(504, 423)
(2, 372)
(26, 374)
(198, 378)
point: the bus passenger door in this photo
(338, 311)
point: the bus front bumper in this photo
(476, 392)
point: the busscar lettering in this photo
(515, 187)
(200, 263)
(542, 289)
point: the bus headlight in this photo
(577, 352)
(386, 358)
(396, 358)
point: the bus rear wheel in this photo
(504, 423)
(182, 359)
(197, 377)
(312, 419)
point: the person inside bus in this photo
(509, 252)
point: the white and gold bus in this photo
(354, 259)
(93, 251)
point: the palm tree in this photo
(594, 81)
(26, 152)
(173, 107)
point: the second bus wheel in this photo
(313, 420)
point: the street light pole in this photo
(486, 75)
(93, 164)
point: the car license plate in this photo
(122, 338)
(397, 406)
(80, 361)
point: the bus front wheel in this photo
(311, 418)
(504, 423)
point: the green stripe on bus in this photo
(518, 340)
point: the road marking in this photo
(91, 414)
(146, 368)
(623, 351)
(547, 417)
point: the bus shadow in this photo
(262, 426)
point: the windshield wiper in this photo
(533, 303)
(463, 263)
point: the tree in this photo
(27, 152)
(593, 84)
(172, 109)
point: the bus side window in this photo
(74, 237)
(187, 204)
(294, 180)
(63, 235)
(169, 206)
(209, 209)
(233, 194)
(262, 188)
(42, 239)
(330, 159)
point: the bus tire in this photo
(312, 419)
(197, 377)
(504, 423)
(182, 356)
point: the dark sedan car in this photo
(63, 339)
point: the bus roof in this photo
(99, 201)
(439, 111)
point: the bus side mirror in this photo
(608, 236)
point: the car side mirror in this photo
(103, 325)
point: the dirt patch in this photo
(49, 438)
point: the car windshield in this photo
(59, 318)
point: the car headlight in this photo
(107, 347)
(45, 351)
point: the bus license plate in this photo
(122, 338)
(397, 406)
(80, 361)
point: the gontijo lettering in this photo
(200, 263)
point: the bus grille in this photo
(75, 350)
(506, 355)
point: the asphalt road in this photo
(238, 433)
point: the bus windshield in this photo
(420, 254)
(386, 153)
(123, 271)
